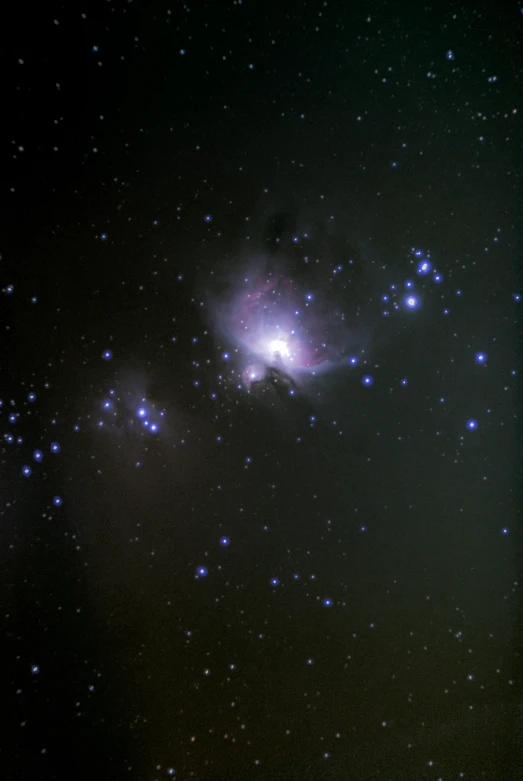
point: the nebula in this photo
(295, 308)
(275, 321)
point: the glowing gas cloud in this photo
(273, 321)
(307, 306)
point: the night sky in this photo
(261, 315)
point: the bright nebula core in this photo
(273, 322)
(277, 321)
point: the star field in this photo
(259, 496)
